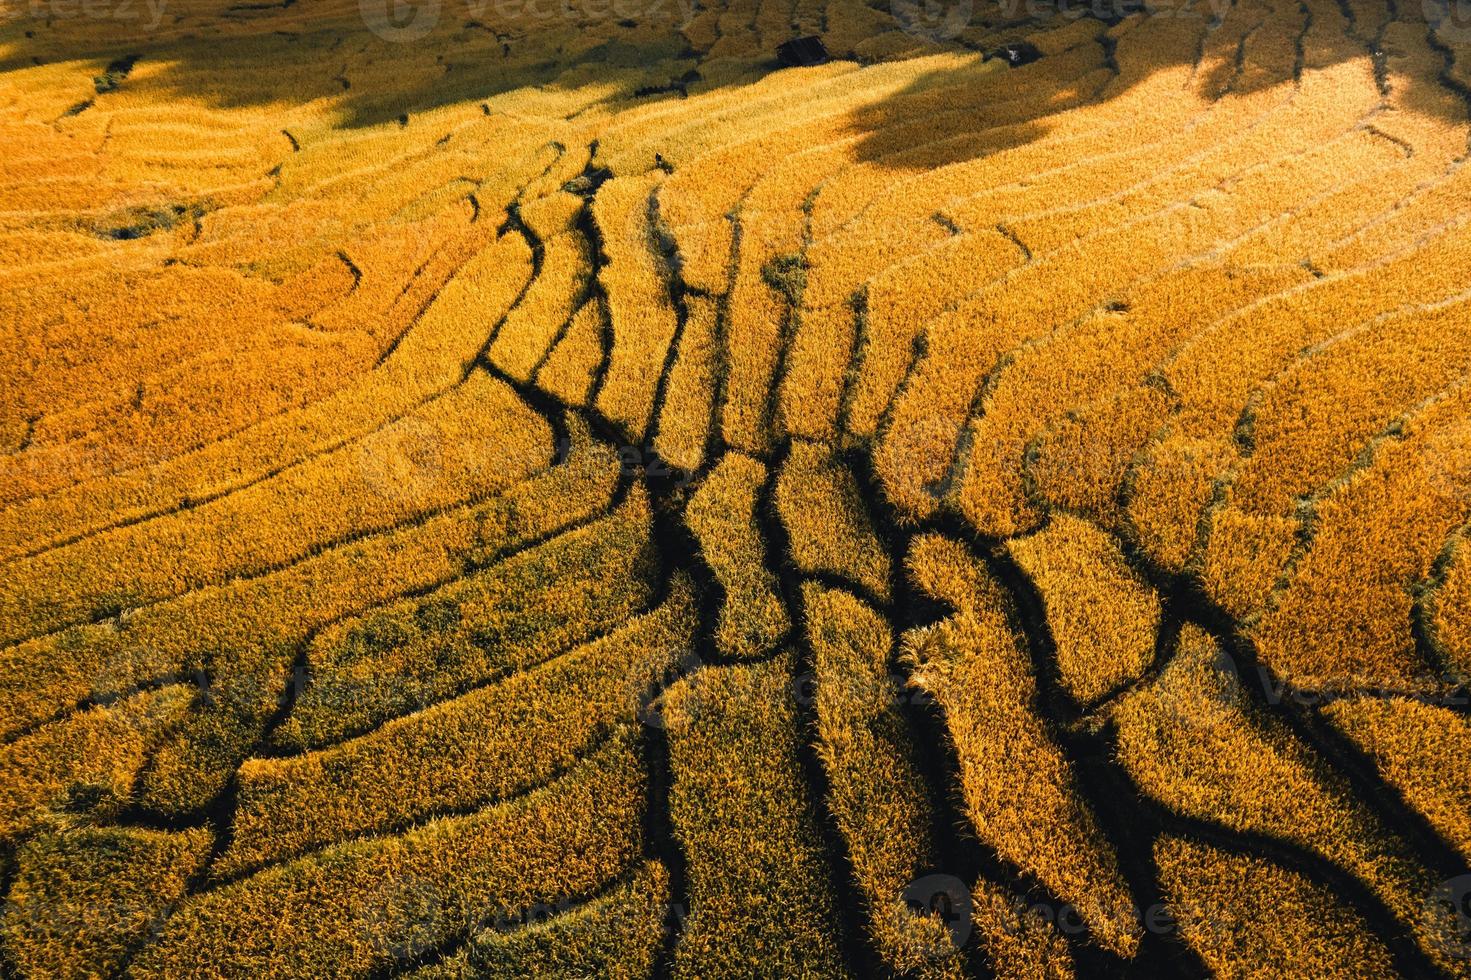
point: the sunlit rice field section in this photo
(498, 489)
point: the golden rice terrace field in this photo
(525, 488)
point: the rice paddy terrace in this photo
(496, 492)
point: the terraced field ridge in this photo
(562, 489)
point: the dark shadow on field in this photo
(374, 70)
(1094, 51)
(256, 57)
(379, 60)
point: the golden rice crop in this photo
(84, 897)
(758, 312)
(812, 387)
(44, 676)
(684, 421)
(515, 614)
(237, 640)
(1447, 607)
(879, 802)
(716, 117)
(353, 624)
(767, 214)
(1343, 611)
(639, 308)
(423, 462)
(1021, 942)
(88, 761)
(981, 459)
(1076, 188)
(984, 325)
(877, 794)
(616, 935)
(1339, 319)
(375, 902)
(760, 891)
(723, 517)
(1236, 909)
(899, 302)
(1215, 373)
(429, 359)
(1020, 792)
(769, 279)
(1050, 230)
(529, 330)
(1103, 618)
(703, 204)
(1192, 741)
(570, 367)
(1082, 463)
(243, 687)
(489, 744)
(268, 364)
(1087, 361)
(1421, 213)
(1333, 412)
(958, 115)
(1421, 750)
(769, 268)
(827, 525)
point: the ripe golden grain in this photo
(684, 422)
(1237, 909)
(1421, 750)
(90, 759)
(459, 753)
(245, 619)
(288, 572)
(569, 369)
(877, 794)
(372, 902)
(1193, 741)
(761, 900)
(510, 616)
(616, 935)
(723, 517)
(827, 525)
(1103, 618)
(639, 307)
(1447, 606)
(83, 897)
(1020, 792)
